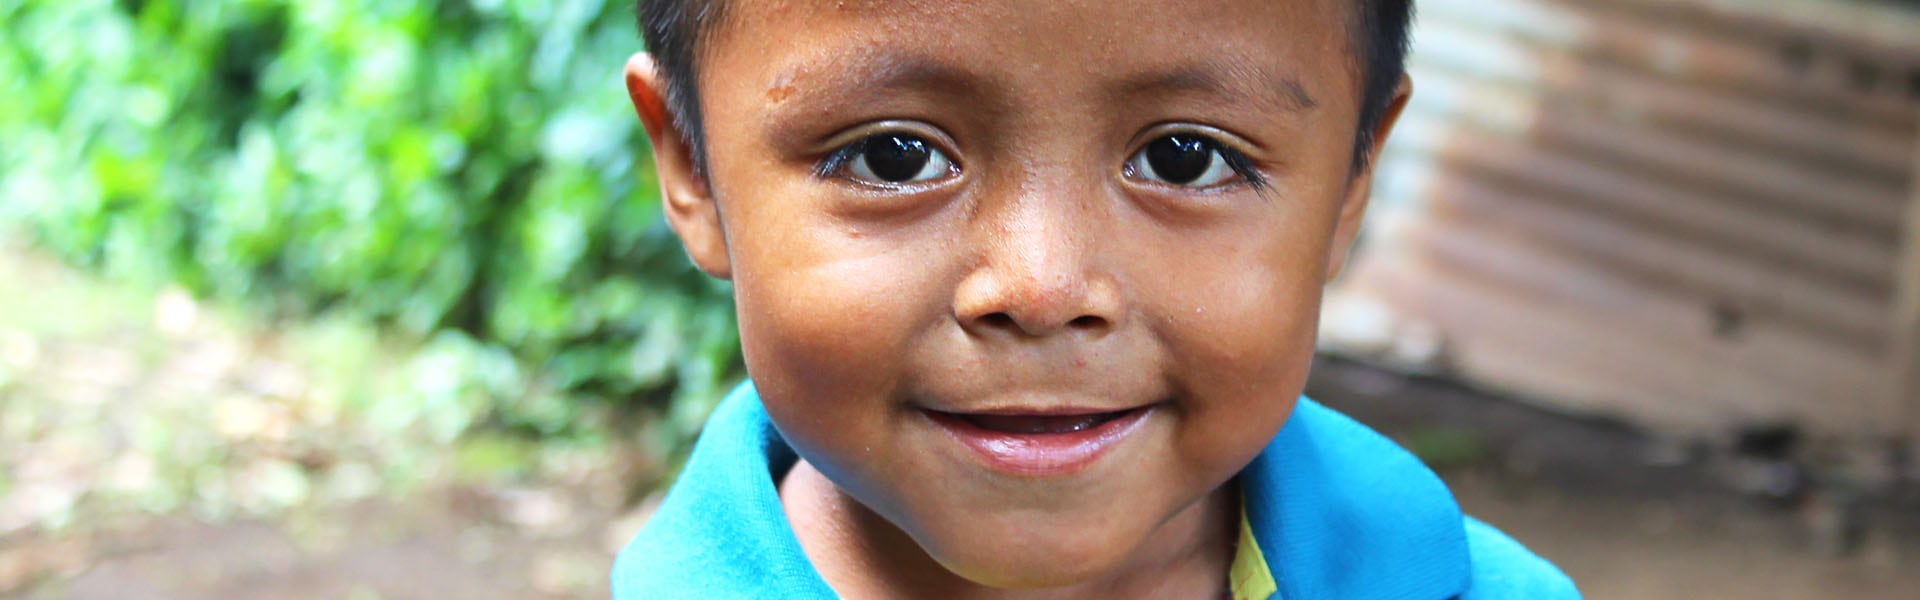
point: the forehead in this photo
(1093, 19)
(1285, 53)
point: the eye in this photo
(889, 159)
(1188, 161)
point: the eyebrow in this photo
(1230, 77)
(876, 71)
(865, 73)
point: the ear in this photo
(1354, 205)
(685, 196)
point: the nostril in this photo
(997, 320)
(1086, 322)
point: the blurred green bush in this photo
(466, 170)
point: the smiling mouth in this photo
(1053, 443)
(1016, 424)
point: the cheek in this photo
(1252, 331)
(823, 316)
(815, 301)
(1243, 348)
(1260, 308)
(827, 324)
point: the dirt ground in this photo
(439, 544)
(1627, 515)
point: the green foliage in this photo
(467, 170)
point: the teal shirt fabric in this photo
(1338, 511)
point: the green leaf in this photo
(464, 171)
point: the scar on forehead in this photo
(780, 91)
(863, 72)
(783, 86)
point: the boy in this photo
(1028, 293)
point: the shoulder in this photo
(650, 562)
(1502, 568)
(679, 549)
(1340, 511)
(720, 532)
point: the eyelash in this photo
(1244, 166)
(841, 158)
(1235, 160)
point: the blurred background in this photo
(347, 299)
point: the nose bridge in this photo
(1039, 236)
(1037, 270)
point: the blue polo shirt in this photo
(1332, 509)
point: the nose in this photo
(1037, 273)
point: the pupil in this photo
(1179, 159)
(895, 158)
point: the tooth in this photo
(1039, 425)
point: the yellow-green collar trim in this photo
(1249, 578)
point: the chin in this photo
(1035, 557)
(1032, 571)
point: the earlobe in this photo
(685, 196)
(1354, 206)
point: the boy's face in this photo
(1027, 279)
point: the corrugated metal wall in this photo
(1693, 215)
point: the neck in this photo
(862, 555)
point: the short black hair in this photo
(673, 30)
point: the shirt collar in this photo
(1342, 512)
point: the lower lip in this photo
(1041, 455)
